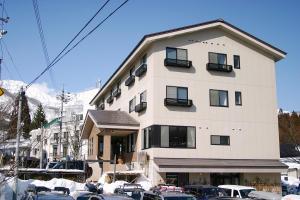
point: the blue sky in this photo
(98, 56)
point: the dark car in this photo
(167, 195)
(204, 192)
(85, 195)
(134, 191)
(44, 193)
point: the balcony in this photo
(178, 63)
(110, 99)
(130, 80)
(54, 140)
(178, 102)
(141, 70)
(116, 93)
(218, 67)
(140, 107)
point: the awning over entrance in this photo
(203, 165)
(106, 119)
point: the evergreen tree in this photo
(39, 118)
(25, 119)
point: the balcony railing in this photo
(117, 92)
(140, 107)
(54, 140)
(110, 99)
(178, 63)
(218, 67)
(142, 69)
(130, 80)
(178, 102)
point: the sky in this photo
(98, 56)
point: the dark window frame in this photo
(227, 102)
(181, 87)
(227, 136)
(187, 58)
(239, 63)
(134, 98)
(131, 71)
(235, 98)
(217, 54)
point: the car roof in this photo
(235, 187)
(53, 196)
(169, 194)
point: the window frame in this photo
(217, 54)
(211, 143)
(187, 58)
(239, 64)
(227, 102)
(235, 98)
(177, 87)
(143, 93)
(134, 98)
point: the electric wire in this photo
(61, 52)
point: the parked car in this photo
(134, 191)
(264, 195)
(50, 165)
(237, 191)
(156, 195)
(85, 195)
(203, 192)
(74, 164)
(44, 193)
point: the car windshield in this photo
(214, 192)
(245, 192)
(179, 198)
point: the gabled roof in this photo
(149, 38)
(108, 119)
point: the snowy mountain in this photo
(41, 93)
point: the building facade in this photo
(193, 105)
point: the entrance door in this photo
(178, 179)
(225, 179)
(117, 146)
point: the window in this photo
(131, 140)
(236, 194)
(218, 98)
(176, 54)
(38, 138)
(180, 93)
(65, 134)
(236, 62)
(131, 105)
(217, 58)
(220, 140)
(143, 60)
(54, 151)
(100, 145)
(131, 71)
(146, 138)
(65, 151)
(238, 98)
(143, 96)
(45, 141)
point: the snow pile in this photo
(6, 190)
(109, 188)
(292, 184)
(144, 182)
(291, 197)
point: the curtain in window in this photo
(182, 93)
(146, 138)
(213, 58)
(164, 136)
(172, 92)
(143, 60)
(222, 59)
(214, 97)
(215, 139)
(191, 137)
(223, 98)
(143, 97)
(181, 54)
(171, 53)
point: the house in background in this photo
(192, 105)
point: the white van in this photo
(237, 191)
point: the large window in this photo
(143, 96)
(236, 62)
(180, 93)
(131, 141)
(170, 137)
(177, 54)
(100, 145)
(220, 140)
(238, 98)
(131, 105)
(217, 58)
(218, 98)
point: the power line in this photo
(42, 38)
(47, 68)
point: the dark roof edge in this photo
(179, 29)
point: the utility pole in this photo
(21, 94)
(41, 146)
(64, 98)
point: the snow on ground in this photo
(292, 184)
(109, 188)
(144, 182)
(291, 197)
(6, 190)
